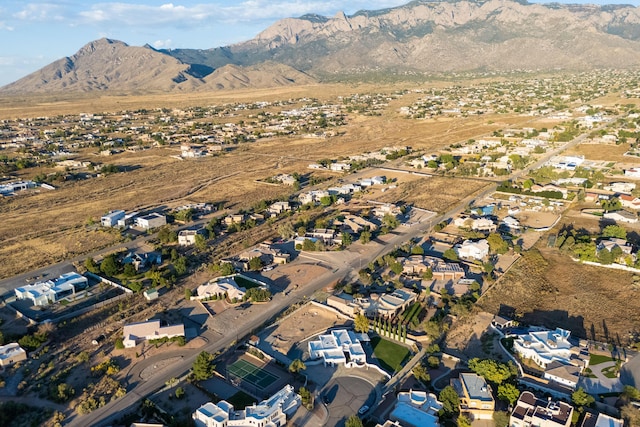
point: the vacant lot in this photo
(548, 288)
(605, 152)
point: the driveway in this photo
(344, 396)
(601, 384)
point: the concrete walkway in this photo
(600, 384)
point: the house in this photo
(221, 287)
(531, 411)
(544, 346)
(632, 172)
(620, 187)
(474, 250)
(483, 224)
(447, 271)
(234, 219)
(502, 322)
(11, 353)
(475, 396)
(111, 219)
(271, 412)
(153, 220)
(142, 260)
(630, 202)
(188, 237)
(510, 223)
(54, 290)
(600, 420)
(127, 220)
(279, 207)
(621, 216)
(389, 305)
(338, 346)
(562, 374)
(135, 333)
(340, 167)
(612, 242)
(416, 409)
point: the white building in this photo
(632, 172)
(339, 346)
(475, 250)
(272, 412)
(544, 347)
(50, 291)
(220, 287)
(416, 409)
(600, 420)
(11, 353)
(111, 219)
(153, 220)
(621, 216)
(188, 237)
(137, 332)
(531, 411)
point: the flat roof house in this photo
(271, 412)
(188, 237)
(475, 395)
(11, 353)
(531, 411)
(111, 219)
(339, 346)
(44, 293)
(416, 409)
(153, 220)
(134, 333)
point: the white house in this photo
(544, 347)
(49, 291)
(531, 411)
(137, 332)
(272, 412)
(153, 220)
(621, 216)
(188, 237)
(220, 287)
(632, 172)
(475, 250)
(339, 346)
(11, 353)
(416, 408)
(111, 219)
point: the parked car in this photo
(363, 410)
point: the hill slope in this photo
(444, 36)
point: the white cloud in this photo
(162, 44)
(246, 11)
(40, 12)
(5, 27)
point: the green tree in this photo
(203, 367)
(365, 236)
(179, 393)
(91, 266)
(285, 230)
(361, 323)
(581, 398)
(188, 293)
(109, 265)
(492, 371)
(463, 421)
(296, 366)
(201, 242)
(180, 265)
(614, 231)
(129, 270)
(347, 239)
(353, 421)
(433, 361)
(508, 393)
(417, 250)
(421, 374)
(630, 393)
(255, 264)
(119, 344)
(64, 392)
(450, 401)
(497, 244)
(390, 221)
(450, 255)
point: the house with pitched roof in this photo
(136, 333)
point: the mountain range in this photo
(419, 37)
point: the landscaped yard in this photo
(389, 354)
(245, 283)
(597, 359)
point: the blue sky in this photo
(36, 33)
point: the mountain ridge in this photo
(420, 36)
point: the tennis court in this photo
(246, 371)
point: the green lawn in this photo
(597, 359)
(245, 283)
(389, 354)
(241, 400)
